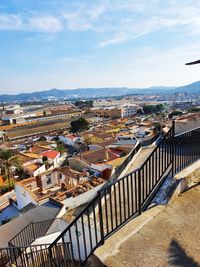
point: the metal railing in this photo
(186, 149)
(30, 233)
(116, 203)
(36, 255)
(124, 164)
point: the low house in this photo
(97, 160)
(70, 140)
(52, 157)
(59, 184)
(64, 177)
(34, 168)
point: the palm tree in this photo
(60, 147)
(8, 161)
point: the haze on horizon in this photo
(101, 43)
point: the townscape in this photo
(51, 157)
(99, 133)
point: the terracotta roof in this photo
(66, 170)
(116, 151)
(38, 149)
(98, 156)
(103, 135)
(1, 181)
(107, 142)
(32, 167)
(71, 136)
(27, 181)
(32, 155)
(50, 154)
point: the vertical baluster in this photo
(124, 200)
(95, 224)
(111, 209)
(115, 203)
(84, 240)
(78, 243)
(120, 202)
(106, 211)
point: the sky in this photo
(70, 44)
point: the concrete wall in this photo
(187, 178)
(187, 124)
(77, 164)
(23, 197)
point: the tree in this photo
(60, 147)
(175, 113)
(157, 126)
(140, 111)
(149, 109)
(193, 110)
(79, 125)
(160, 107)
(8, 161)
(84, 104)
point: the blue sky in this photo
(71, 44)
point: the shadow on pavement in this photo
(178, 256)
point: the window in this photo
(49, 179)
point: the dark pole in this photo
(193, 62)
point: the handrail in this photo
(191, 130)
(29, 246)
(9, 242)
(34, 234)
(97, 196)
(72, 223)
(132, 193)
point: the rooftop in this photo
(50, 154)
(44, 212)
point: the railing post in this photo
(173, 148)
(101, 218)
(33, 229)
(139, 191)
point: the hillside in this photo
(99, 92)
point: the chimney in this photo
(107, 155)
(39, 182)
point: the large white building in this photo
(128, 110)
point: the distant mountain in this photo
(192, 88)
(85, 93)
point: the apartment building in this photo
(128, 110)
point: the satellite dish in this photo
(193, 62)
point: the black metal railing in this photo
(30, 233)
(124, 164)
(118, 202)
(115, 204)
(186, 149)
(36, 255)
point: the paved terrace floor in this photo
(168, 238)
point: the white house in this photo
(128, 110)
(70, 139)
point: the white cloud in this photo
(116, 40)
(10, 22)
(44, 24)
(48, 24)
